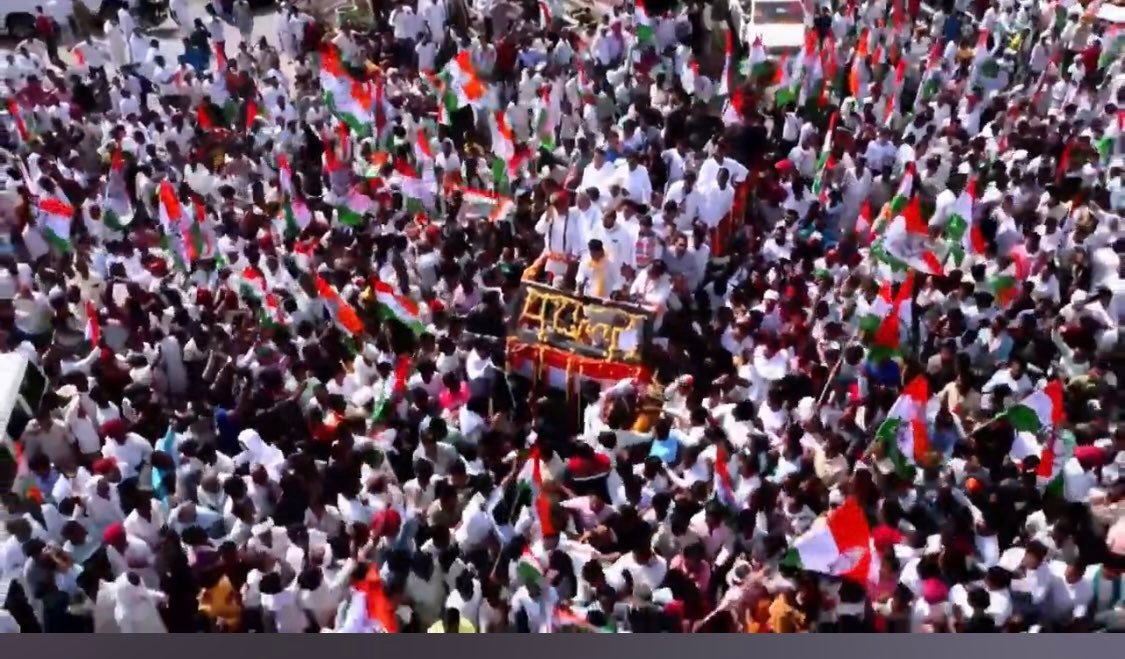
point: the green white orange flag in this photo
(838, 544)
(542, 504)
(345, 314)
(904, 433)
(296, 214)
(171, 212)
(1040, 410)
(643, 21)
(349, 99)
(393, 305)
(887, 340)
(965, 234)
(906, 243)
(55, 217)
(393, 387)
(422, 151)
(352, 211)
(464, 81)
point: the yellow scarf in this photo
(599, 284)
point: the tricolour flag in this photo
(887, 339)
(392, 305)
(542, 504)
(465, 82)
(349, 99)
(723, 485)
(393, 387)
(906, 244)
(838, 544)
(351, 212)
(903, 433)
(964, 234)
(1040, 410)
(55, 216)
(93, 326)
(644, 23)
(171, 212)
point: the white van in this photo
(22, 385)
(781, 24)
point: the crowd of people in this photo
(271, 283)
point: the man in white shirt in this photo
(619, 243)
(562, 237)
(598, 276)
(633, 178)
(718, 200)
(709, 171)
(688, 200)
(598, 174)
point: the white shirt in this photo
(716, 202)
(129, 455)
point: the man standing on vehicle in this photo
(48, 30)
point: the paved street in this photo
(265, 24)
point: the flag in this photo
(349, 99)
(865, 223)
(906, 244)
(204, 118)
(464, 81)
(546, 16)
(410, 183)
(903, 433)
(879, 309)
(392, 305)
(825, 162)
(297, 216)
(759, 61)
(1054, 456)
(723, 486)
(346, 316)
(1004, 285)
(726, 84)
(542, 505)
(838, 544)
(482, 203)
(351, 212)
(422, 151)
(55, 216)
(393, 387)
(965, 235)
(171, 213)
(284, 174)
(252, 113)
(220, 57)
(503, 142)
(254, 288)
(905, 191)
(642, 21)
(1040, 410)
(529, 569)
(93, 326)
(21, 126)
(887, 339)
(380, 609)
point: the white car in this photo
(17, 17)
(781, 24)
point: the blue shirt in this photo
(666, 449)
(886, 373)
